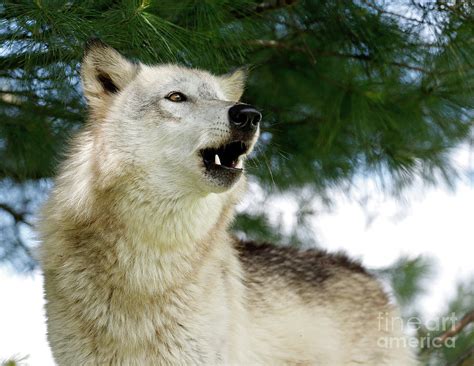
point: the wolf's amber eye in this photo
(176, 97)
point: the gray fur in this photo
(138, 263)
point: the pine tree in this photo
(348, 89)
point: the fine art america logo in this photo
(432, 334)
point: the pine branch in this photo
(464, 357)
(397, 15)
(369, 58)
(35, 59)
(19, 243)
(269, 43)
(272, 5)
(263, 7)
(458, 327)
(47, 111)
(17, 216)
(284, 46)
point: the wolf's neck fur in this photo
(170, 223)
(157, 240)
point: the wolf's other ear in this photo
(104, 72)
(233, 83)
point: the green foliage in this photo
(15, 361)
(464, 347)
(347, 88)
(461, 351)
(408, 277)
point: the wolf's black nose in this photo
(244, 117)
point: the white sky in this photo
(438, 224)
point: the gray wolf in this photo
(139, 266)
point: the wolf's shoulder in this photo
(311, 266)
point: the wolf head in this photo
(184, 128)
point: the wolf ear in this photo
(104, 72)
(233, 83)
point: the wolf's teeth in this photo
(217, 161)
(239, 164)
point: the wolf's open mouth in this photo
(225, 156)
